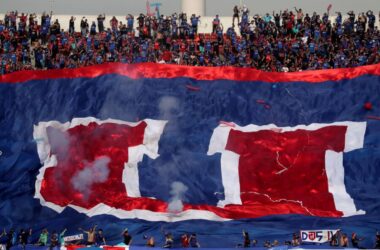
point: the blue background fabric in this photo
(31, 247)
(183, 148)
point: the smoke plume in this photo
(177, 192)
(93, 173)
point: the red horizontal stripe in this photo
(153, 70)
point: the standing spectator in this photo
(194, 23)
(355, 240)
(215, 23)
(334, 239)
(377, 240)
(295, 240)
(344, 241)
(130, 22)
(93, 29)
(371, 19)
(236, 15)
(54, 240)
(100, 20)
(61, 237)
(168, 241)
(72, 25)
(114, 22)
(100, 239)
(90, 235)
(185, 241)
(150, 242)
(299, 15)
(83, 26)
(246, 239)
(193, 241)
(43, 239)
(24, 236)
(127, 238)
(9, 238)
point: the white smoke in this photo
(94, 172)
(177, 192)
(59, 142)
(168, 107)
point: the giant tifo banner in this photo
(164, 148)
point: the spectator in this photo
(377, 241)
(54, 240)
(150, 242)
(344, 241)
(127, 238)
(283, 42)
(355, 240)
(194, 23)
(194, 241)
(168, 241)
(43, 239)
(72, 25)
(295, 240)
(235, 15)
(246, 239)
(24, 236)
(61, 239)
(90, 235)
(83, 26)
(334, 239)
(9, 238)
(215, 23)
(185, 241)
(100, 20)
(100, 239)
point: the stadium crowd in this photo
(285, 41)
(96, 237)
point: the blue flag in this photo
(172, 149)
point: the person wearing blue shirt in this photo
(130, 22)
(93, 29)
(338, 19)
(267, 18)
(208, 46)
(312, 47)
(371, 19)
(99, 59)
(215, 23)
(317, 34)
(194, 22)
(295, 47)
(88, 43)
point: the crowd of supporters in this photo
(285, 41)
(96, 237)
